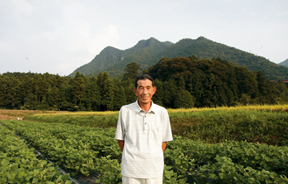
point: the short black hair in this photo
(143, 77)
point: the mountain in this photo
(114, 61)
(148, 52)
(207, 49)
(284, 63)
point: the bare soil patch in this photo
(6, 114)
(15, 114)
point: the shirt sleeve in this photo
(167, 133)
(120, 126)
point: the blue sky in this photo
(58, 36)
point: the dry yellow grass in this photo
(14, 114)
(6, 114)
(78, 113)
(283, 108)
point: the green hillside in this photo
(114, 60)
(207, 49)
(284, 63)
(148, 52)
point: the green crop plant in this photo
(19, 164)
(86, 148)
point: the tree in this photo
(245, 99)
(66, 97)
(119, 95)
(184, 99)
(181, 84)
(158, 96)
(128, 86)
(57, 81)
(52, 97)
(40, 87)
(78, 90)
(26, 89)
(283, 89)
(193, 57)
(198, 78)
(169, 93)
(262, 83)
(93, 97)
(246, 82)
(11, 92)
(107, 93)
(100, 80)
(131, 71)
(2, 91)
(31, 101)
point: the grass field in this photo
(261, 123)
(6, 114)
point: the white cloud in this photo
(107, 37)
(77, 37)
(70, 38)
(5, 47)
(65, 67)
(21, 7)
(83, 48)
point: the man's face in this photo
(144, 91)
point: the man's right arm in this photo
(121, 144)
(120, 135)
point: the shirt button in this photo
(145, 123)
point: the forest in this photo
(181, 82)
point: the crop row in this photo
(65, 145)
(186, 160)
(229, 162)
(19, 164)
(72, 147)
(80, 149)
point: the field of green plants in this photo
(19, 163)
(232, 145)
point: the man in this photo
(143, 131)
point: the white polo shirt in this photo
(143, 134)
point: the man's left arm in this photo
(164, 146)
(167, 133)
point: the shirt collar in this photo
(151, 110)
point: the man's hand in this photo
(163, 146)
(121, 144)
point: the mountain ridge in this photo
(148, 52)
(284, 63)
(110, 57)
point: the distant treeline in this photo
(181, 83)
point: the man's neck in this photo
(145, 107)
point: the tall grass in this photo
(272, 108)
(103, 121)
(240, 125)
(264, 124)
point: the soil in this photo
(6, 114)
(15, 114)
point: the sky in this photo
(58, 36)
